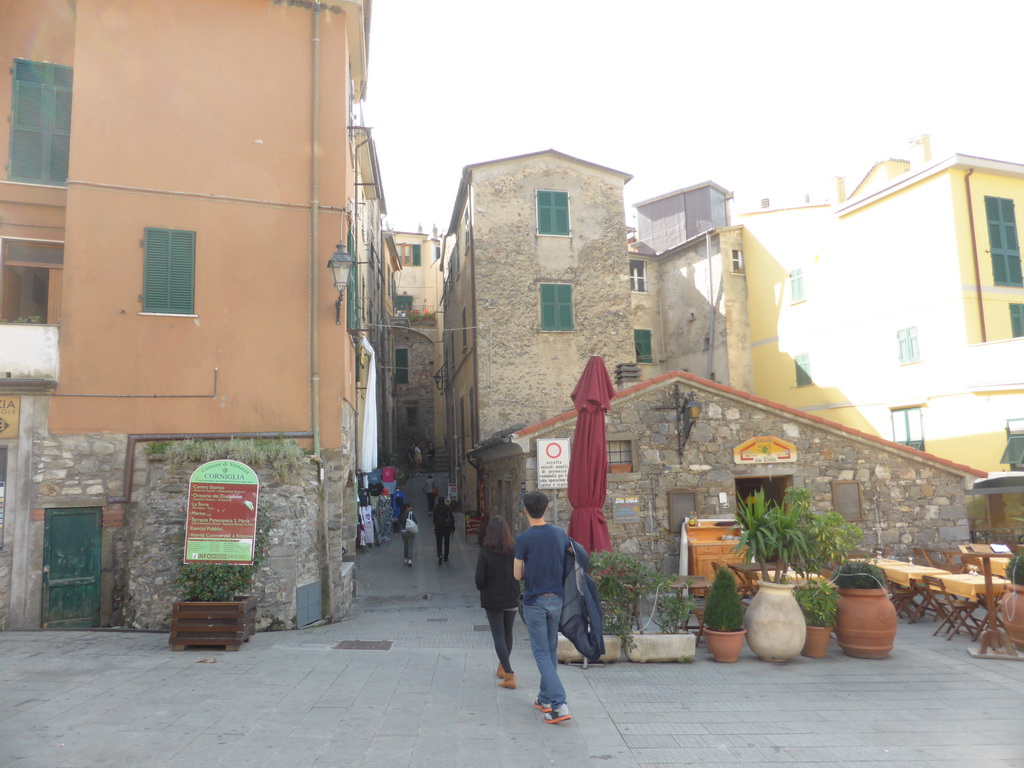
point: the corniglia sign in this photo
(310, 4)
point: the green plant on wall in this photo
(223, 582)
(283, 457)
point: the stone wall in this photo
(418, 393)
(908, 500)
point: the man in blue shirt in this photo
(540, 558)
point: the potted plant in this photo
(818, 600)
(1011, 604)
(723, 618)
(772, 532)
(217, 605)
(829, 541)
(866, 618)
(621, 579)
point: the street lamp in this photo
(691, 413)
(340, 264)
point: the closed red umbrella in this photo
(588, 462)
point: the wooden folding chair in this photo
(957, 613)
(952, 563)
(905, 600)
(745, 583)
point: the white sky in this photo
(765, 98)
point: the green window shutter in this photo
(1003, 244)
(1017, 320)
(40, 122)
(803, 370)
(417, 255)
(401, 366)
(169, 271)
(403, 303)
(352, 309)
(908, 428)
(910, 351)
(552, 212)
(556, 307)
(642, 345)
(796, 284)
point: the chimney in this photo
(920, 150)
(840, 190)
(626, 375)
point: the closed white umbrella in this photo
(368, 448)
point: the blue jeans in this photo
(542, 617)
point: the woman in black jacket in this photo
(499, 592)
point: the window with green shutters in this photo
(555, 307)
(552, 212)
(908, 427)
(40, 123)
(803, 370)
(642, 345)
(1017, 320)
(796, 285)
(403, 303)
(1002, 240)
(352, 313)
(401, 365)
(910, 350)
(417, 255)
(168, 275)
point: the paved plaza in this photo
(295, 699)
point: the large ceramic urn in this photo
(775, 625)
(865, 623)
(1011, 611)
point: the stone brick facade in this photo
(908, 498)
(414, 400)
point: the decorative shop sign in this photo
(311, 5)
(220, 522)
(10, 408)
(453, 491)
(625, 509)
(553, 463)
(764, 450)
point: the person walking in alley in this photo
(430, 489)
(499, 592)
(539, 559)
(444, 525)
(407, 525)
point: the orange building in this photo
(178, 173)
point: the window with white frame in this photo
(638, 275)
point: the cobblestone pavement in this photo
(295, 699)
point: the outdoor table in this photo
(904, 573)
(999, 565)
(995, 644)
(695, 583)
(971, 585)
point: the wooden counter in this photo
(706, 546)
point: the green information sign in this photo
(220, 523)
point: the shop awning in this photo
(1009, 483)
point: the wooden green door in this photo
(71, 568)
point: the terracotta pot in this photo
(816, 644)
(619, 469)
(1011, 611)
(865, 623)
(724, 646)
(774, 622)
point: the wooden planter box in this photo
(228, 624)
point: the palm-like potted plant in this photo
(723, 618)
(866, 618)
(773, 533)
(818, 600)
(1011, 604)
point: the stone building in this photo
(535, 284)
(900, 497)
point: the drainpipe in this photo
(314, 214)
(974, 253)
(711, 307)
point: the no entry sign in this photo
(553, 463)
(220, 524)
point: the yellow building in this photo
(898, 311)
